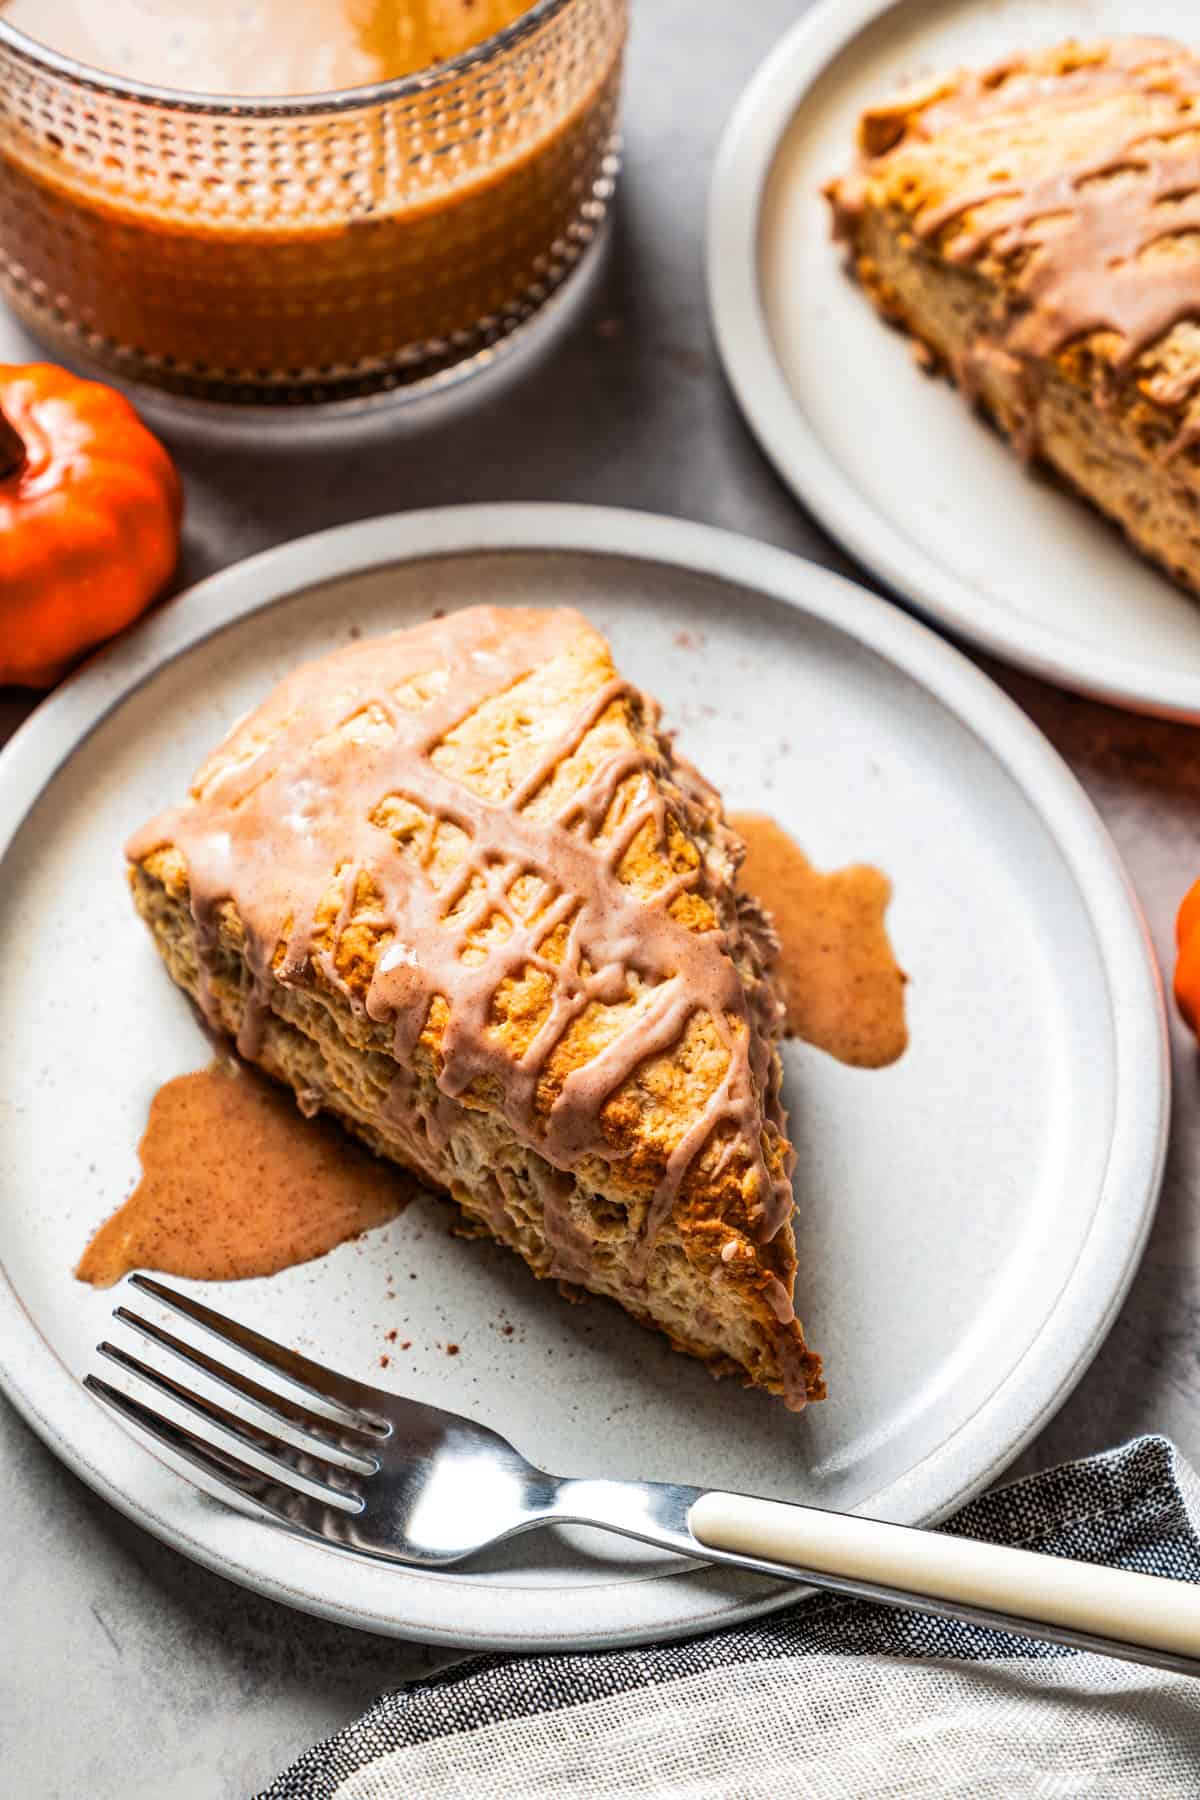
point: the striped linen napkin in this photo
(829, 1699)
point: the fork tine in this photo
(286, 1462)
(285, 1504)
(323, 1433)
(312, 1378)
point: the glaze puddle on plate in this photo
(235, 1184)
(842, 986)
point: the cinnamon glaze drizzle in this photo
(294, 799)
(1076, 237)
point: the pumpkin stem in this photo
(12, 448)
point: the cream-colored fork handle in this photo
(1143, 1611)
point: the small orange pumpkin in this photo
(90, 508)
(1187, 968)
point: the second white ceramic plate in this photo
(969, 1219)
(921, 491)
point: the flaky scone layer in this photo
(708, 1274)
(1036, 228)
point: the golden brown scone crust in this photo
(1093, 365)
(710, 1279)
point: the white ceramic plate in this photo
(921, 491)
(970, 1218)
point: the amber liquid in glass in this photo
(252, 257)
(260, 46)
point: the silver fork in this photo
(392, 1478)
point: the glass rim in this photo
(275, 106)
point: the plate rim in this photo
(745, 158)
(84, 1436)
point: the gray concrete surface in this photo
(126, 1670)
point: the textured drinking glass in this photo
(314, 248)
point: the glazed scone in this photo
(455, 888)
(1036, 228)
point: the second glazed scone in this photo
(454, 887)
(1036, 227)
